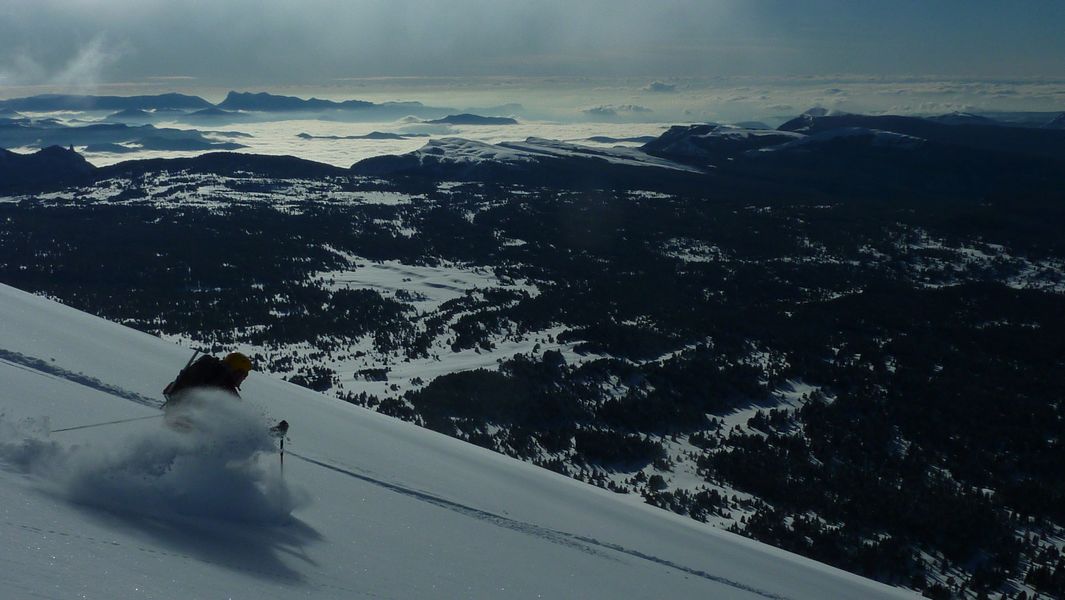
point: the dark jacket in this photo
(207, 372)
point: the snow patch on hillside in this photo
(426, 287)
(460, 151)
(218, 192)
(691, 250)
(938, 262)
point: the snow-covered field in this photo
(427, 287)
(937, 263)
(532, 149)
(215, 192)
(366, 507)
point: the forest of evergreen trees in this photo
(935, 444)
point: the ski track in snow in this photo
(47, 369)
(59, 541)
(584, 544)
(580, 543)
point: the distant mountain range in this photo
(710, 143)
(963, 118)
(135, 115)
(373, 135)
(212, 115)
(263, 101)
(874, 156)
(535, 161)
(968, 134)
(54, 102)
(605, 139)
(44, 133)
(870, 155)
(346, 110)
(468, 119)
(232, 107)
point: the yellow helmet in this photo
(238, 362)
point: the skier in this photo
(210, 373)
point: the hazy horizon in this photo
(640, 99)
(682, 60)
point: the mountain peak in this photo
(471, 119)
(51, 165)
(267, 102)
(963, 118)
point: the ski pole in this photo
(281, 430)
(106, 423)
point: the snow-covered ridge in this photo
(712, 143)
(457, 150)
(385, 509)
(451, 153)
(619, 156)
(532, 150)
(875, 137)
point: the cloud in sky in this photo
(86, 66)
(278, 42)
(611, 110)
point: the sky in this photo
(282, 42)
(86, 45)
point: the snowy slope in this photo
(367, 507)
(533, 160)
(873, 137)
